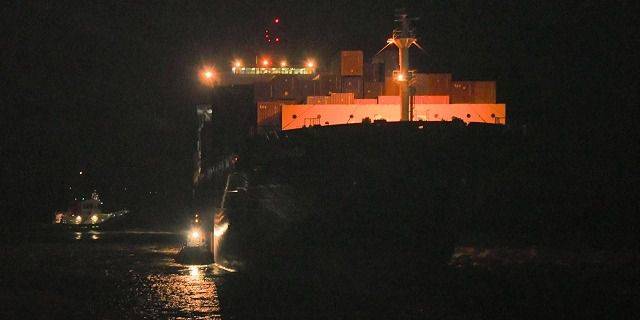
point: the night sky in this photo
(109, 88)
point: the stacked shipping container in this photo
(473, 92)
(328, 84)
(269, 115)
(341, 98)
(351, 63)
(318, 100)
(353, 85)
(373, 89)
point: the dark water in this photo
(106, 275)
(132, 275)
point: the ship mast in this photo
(403, 38)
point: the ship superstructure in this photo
(350, 90)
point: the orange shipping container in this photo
(473, 92)
(462, 92)
(366, 101)
(484, 92)
(431, 99)
(341, 98)
(318, 100)
(351, 63)
(352, 85)
(373, 89)
(438, 84)
(390, 87)
(306, 88)
(269, 114)
(389, 100)
(328, 84)
(282, 87)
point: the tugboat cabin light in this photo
(207, 76)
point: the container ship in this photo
(350, 173)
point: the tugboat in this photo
(87, 214)
(196, 247)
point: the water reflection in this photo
(194, 272)
(188, 293)
(109, 275)
(93, 235)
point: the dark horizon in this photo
(110, 89)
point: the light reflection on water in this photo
(191, 292)
(113, 275)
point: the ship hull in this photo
(350, 203)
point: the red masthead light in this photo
(276, 20)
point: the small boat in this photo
(196, 248)
(87, 214)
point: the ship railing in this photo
(309, 122)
